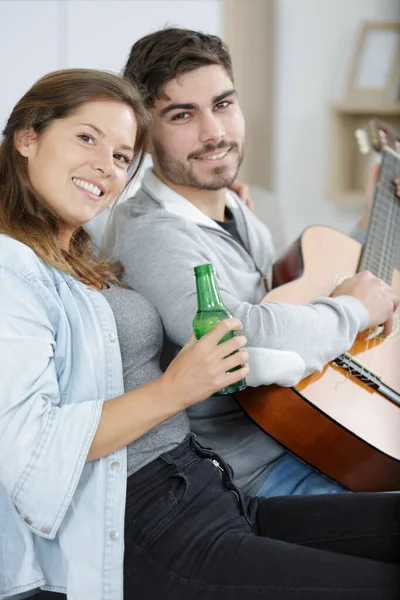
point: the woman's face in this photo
(79, 164)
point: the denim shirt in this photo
(61, 520)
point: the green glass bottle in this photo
(210, 311)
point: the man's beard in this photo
(182, 174)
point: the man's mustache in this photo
(207, 148)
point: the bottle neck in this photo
(208, 295)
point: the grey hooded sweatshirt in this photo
(160, 236)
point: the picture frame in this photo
(374, 75)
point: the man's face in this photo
(198, 132)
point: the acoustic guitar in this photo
(345, 420)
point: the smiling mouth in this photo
(88, 187)
(217, 156)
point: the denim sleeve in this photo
(43, 444)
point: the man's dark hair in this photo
(168, 53)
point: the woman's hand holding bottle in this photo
(200, 368)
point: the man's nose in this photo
(212, 129)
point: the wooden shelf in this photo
(348, 108)
(345, 166)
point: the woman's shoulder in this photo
(20, 258)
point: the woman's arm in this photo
(198, 371)
(44, 442)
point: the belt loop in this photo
(167, 458)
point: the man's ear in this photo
(150, 134)
(25, 141)
(149, 145)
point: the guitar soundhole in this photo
(340, 277)
(396, 327)
(373, 334)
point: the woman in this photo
(85, 467)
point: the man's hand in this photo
(242, 191)
(372, 178)
(378, 297)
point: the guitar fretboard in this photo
(383, 233)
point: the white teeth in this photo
(90, 187)
(217, 156)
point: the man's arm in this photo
(159, 260)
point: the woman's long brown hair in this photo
(23, 214)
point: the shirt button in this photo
(112, 337)
(114, 535)
(45, 530)
(115, 465)
(28, 521)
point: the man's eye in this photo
(223, 104)
(180, 116)
(85, 137)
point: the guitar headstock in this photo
(377, 135)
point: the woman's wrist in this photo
(170, 393)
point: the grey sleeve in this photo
(159, 264)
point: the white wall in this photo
(29, 48)
(38, 36)
(314, 43)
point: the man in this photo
(184, 215)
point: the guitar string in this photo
(380, 256)
(377, 232)
(368, 260)
(378, 238)
(384, 268)
(389, 196)
(381, 226)
(385, 255)
(382, 234)
(390, 242)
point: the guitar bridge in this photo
(357, 369)
(368, 377)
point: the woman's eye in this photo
(123, 158)
(88, 139)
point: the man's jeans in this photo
(289, 476)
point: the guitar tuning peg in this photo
(382, 137)
(362, 141)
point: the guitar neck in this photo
(383, 232)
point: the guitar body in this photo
(332, 420)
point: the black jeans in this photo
(191, 535)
